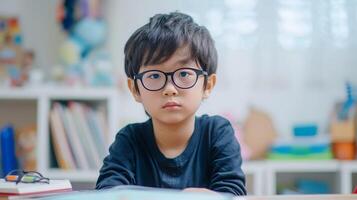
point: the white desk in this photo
(300, 197)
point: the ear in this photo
(134, 92)
(211, 82)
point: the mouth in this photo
(171, 105)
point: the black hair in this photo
(156, 41)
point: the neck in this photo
(173, 137)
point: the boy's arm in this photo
(226, 161)
(118, 165)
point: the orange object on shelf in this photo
(343, 131)
(344, 150)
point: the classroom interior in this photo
(286, 80)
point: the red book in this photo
(34, 195)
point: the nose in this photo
(169, 89)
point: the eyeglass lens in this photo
(183, 78)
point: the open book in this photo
(11, 188)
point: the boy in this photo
(171, 63)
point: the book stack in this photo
(11, 190)
(79, 134)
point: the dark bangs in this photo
(155, 42)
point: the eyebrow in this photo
(184, 60)
(181, 61)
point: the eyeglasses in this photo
(26, 177)
(184, 78)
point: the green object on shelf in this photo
(313, 156)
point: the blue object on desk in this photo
(305, 130)
(8, 157)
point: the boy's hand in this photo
(205, 190)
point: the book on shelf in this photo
(62, 149)
(78, 135)
(74, 139)
(13, 189)
(96, 131)
(88, 143)
(102, 121)
(7, 151)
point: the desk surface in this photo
(300, 197)
(178, 195)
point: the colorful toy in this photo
(15, 62)
(26, 141)
(86, 30)
(343, 127)
(259, 133)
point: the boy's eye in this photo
(184, 74)
(154, 76)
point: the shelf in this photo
(250, 167)
(349, 165)
(254, 171)
(348, 176)
(82, 94)
(56, 92)
(35, 104)
(19, 93)
(263, 176)
(275, 170)
(23, 105)
(73, 175)
(304, 166)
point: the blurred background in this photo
(287, 79)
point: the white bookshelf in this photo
(348, 176)
(89, 176)
(287, 171)
(41, 98)
(255, 176)
(33, 105)
(264, 176)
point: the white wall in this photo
(293, 85)
(297, 85)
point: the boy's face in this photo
(172, 104)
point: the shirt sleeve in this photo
(118, 166)
(226, 172)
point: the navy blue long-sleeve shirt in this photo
(211, 159)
